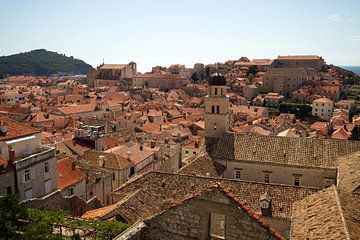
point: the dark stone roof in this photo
(217, 80)
(328, 214)
(153, 192)
(304, 152)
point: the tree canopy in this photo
(41, 62)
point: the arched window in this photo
(217, 109)
(213, 109)
(221, 91)
(215, 91)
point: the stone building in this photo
(213, 213)
(33, 164)
(150, 194)
(281, 160)
(216, 107)
(323, 108)
(285, 80)
(307, 61)
(112, 73)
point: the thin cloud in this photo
(334, 17)
(353, 38)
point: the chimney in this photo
(11, 155)
(128, 154)
(73, 165)
(160, 127)
(141, 147)
(197, 144)
(152, 144)
(3, 128)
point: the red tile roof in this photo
(67, 175)
(16, 129)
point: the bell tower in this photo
(216, 107)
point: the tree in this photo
(263, 90)
(355, 134)
(10, 211)
(253, 70)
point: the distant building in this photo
(111, 73)
(273, 100)
(306, 61)
(285, 80)
(323, 108)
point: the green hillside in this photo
(41, 62)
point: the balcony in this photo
(39, 154)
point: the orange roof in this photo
(321, 100)
(77, 109)
(99, 212)
(67, 175)
(299, 57)
(16, 129)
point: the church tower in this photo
(216, 107)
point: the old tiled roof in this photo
(77, 109)
(299, 57)
(203, 165)
(349, 173)
(305, 152)
(67, 175)
(16, 129)
(111, 160)
(329, 214)
(158, 191)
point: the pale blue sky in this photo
(159, 32)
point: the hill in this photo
(41, 62)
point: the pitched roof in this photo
(157, 191)
(111, 160)
(305, 152)
(16, 129)
(328, 214)
(67, 175)
(349, 173)
(202, 165)
(77, 109)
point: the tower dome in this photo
(217, 80)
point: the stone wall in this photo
(311, 177)
(192, 220)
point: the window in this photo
(194, 152)
(186, 152)
(28, 193)
(267, 178)
(214, 126)
(217, 109)
(212, 109)
(217, 226)
(47, 186)
(71, 191)
(297, 181)
(46, 167)
(237, 174)
(215, 91)
(27, 175)
(221, 91)
(8, 190)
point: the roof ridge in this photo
(243, 205)
(341, 211)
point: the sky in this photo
(164, 32)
